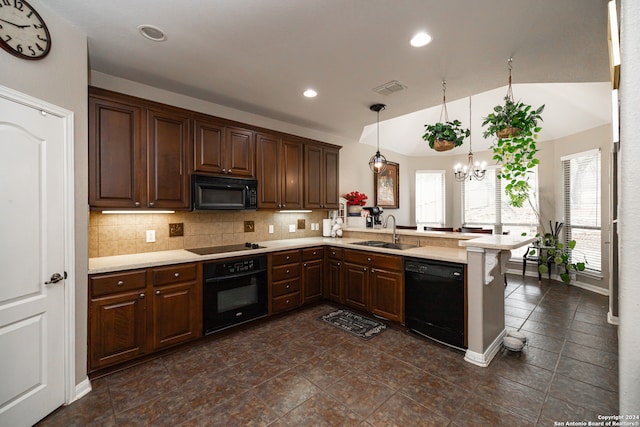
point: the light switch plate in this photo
(151, 236)
(292, 228)
(270, 228)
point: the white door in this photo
(32, 249)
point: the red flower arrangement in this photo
(356, 198)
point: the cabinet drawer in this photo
(312, 253)
(334, 253)
(283, 288)
(391, 262)
(286, 257)
(285, 272)
(174, 274)
(286, 302)
(106, 284)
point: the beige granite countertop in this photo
(497, 241)
(153, 259)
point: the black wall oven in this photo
(234, 292)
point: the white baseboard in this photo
(82, 389)
(614, 320)
(576, 283)
(483, 359)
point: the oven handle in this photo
(233, 276)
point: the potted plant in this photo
(355, 202)
(445, 136)
(552, 251)
(511, 119)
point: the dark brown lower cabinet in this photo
(374, 283)
(138, 312)
(312, 274)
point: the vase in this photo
(354, 210)
(442, 145)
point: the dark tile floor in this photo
(299, 371)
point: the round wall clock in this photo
(23, 32)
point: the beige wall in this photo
(61, 79)
(126, 234)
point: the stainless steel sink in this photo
(386, 245)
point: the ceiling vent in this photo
(390, 87)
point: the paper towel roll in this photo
(326, 228)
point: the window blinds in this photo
(430, 198)
(582, 219)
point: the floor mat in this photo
(355, 324)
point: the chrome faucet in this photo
(395, 235)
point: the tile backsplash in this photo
(126, 234)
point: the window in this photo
(430, 198)
(581, 176)
(485, 204)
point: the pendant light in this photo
(378, 162)
(472, 170)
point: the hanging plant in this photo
(515, 125)
(445, 135)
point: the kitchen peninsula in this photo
(485, 258)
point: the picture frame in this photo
(386, 185)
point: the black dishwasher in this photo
(434, 300)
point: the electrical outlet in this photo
(301, 224)
(249, 227)
(176, 229)
(270, 228)
(292, 228)
(151, 236)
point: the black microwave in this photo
(223, 193)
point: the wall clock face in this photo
(23, 33)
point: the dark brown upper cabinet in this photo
(223, 150)
(279, 166)
(117, 154)
(321, 177)
(137, 153)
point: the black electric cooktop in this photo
(226, 248)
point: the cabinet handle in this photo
(333, 253)
(304, 265)
(137, 204)
(287, 257)
(120, 283)
(287, 301)
(157, 292)
(369, 259)
(284, 206)
(314, 252)
(229, 171)
(152, 204)
(224, 170)
(288, 286)
(373, 270)
(141, 296)
(279, 206)
(365, 269)
(176, 274)
(287, 271)
(338, 264)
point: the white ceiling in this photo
(260, 55)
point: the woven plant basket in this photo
(442, 145)
(508, 132)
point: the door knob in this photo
(55, 278)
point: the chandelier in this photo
(472, 170)
(378, 162)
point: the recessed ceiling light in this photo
(310, 93)
(420, 39)
(152, 33)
